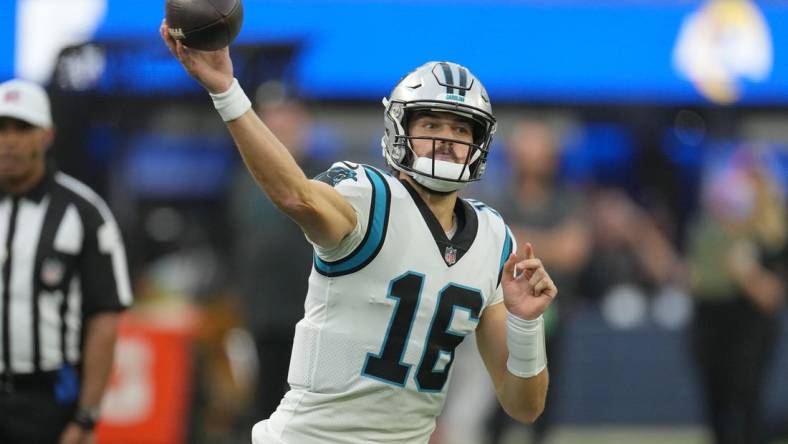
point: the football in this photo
(206, 25)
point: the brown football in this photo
(207, 25)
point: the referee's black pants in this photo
(31, 411)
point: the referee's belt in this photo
(39, 381)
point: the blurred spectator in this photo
(630, 253)
(271, 258)
(548, 214)
(738, 248)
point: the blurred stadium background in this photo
(647, 99)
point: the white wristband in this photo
(525, 340)
(232, 103)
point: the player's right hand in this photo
(211, 69)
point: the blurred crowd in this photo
(611, 249)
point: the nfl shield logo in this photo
(450, 255)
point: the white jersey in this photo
(384, 313)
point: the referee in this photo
(64, 282)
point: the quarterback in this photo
(403, 268)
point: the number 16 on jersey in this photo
(406, 290)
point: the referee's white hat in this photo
(26, 101)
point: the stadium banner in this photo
(573, 51)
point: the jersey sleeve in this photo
(351, 182)
(368, 191)
(104, 271)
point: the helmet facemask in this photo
(426, 89)
(428, 169)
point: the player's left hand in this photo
(527, 288)
(74, 434)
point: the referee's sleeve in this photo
(104, 272)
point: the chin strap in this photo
(442, 169)
(441, 186)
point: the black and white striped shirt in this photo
(62, 260)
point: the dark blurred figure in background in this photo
(271, 258)
(630, 254)
(548, 214)
(737, 255)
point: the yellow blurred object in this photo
(722, 43)
(228, 390)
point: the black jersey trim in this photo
(467, 227)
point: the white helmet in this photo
(438, 87)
